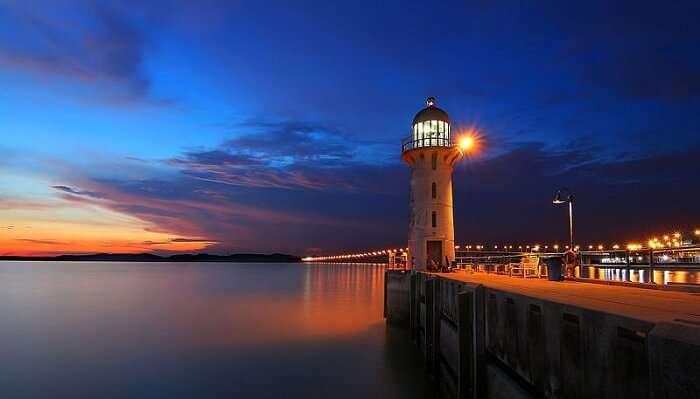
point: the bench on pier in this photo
(529, 266)
(467, 267)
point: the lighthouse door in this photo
(434, 253)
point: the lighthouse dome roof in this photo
(431, 113)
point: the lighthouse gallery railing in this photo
(410, 143)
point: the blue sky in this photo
(263, 126)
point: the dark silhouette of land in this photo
(146, 257)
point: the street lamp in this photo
(564, 196)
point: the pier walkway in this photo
(652, 305)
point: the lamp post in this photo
(564, 196)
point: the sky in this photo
(220, 126)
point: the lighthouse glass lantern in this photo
(431, 154)
(431, 128)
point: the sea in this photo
(201, 330)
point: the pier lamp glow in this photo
(563, 196)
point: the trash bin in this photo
(554, 266)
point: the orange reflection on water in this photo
(332, 301)
(641, 275)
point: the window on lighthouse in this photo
(434, 190)
(419, 134)
(434, 217)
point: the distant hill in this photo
(146, 257)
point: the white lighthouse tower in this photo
(431, 152)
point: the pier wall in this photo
(396, 297)
(481, 342)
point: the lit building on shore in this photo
(431, 152)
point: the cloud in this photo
(43, 242)
(293, 140)
(190, 240)
(180, 240)
(73, 191)
(98, 46)
(18, 203)
(501, 198)
(284, 155)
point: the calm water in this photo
(203, 330)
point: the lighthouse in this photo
(431, 153)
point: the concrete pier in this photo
(493, 336)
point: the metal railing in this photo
(647, 260)
(410, 143)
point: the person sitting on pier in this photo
(432, 266)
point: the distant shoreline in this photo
(146, 257)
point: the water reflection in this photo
(200, 330)
(640, 275)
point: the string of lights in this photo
(671, 240)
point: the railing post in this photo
(651, 266)
(627, 266)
